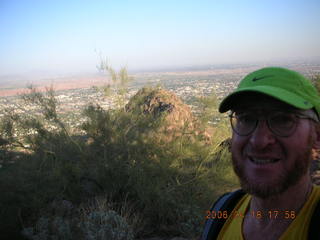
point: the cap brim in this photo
(288, 97)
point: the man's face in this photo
(265, 163)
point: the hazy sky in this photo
(66, 35)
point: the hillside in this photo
(120, 169)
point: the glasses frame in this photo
(267, 119)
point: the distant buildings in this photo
(186, 85)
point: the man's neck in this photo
(269, 218)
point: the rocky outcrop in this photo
(177, 116)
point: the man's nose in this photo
(262, 136)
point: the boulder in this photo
(178, 118)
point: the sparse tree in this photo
(316, 81)
(120, 81)
(208, 106)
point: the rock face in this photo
(178, 118)
(159, 101)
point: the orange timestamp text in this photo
(271, 214)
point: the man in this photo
(275, 121)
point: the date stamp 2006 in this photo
(271, 214)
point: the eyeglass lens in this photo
(281, 124)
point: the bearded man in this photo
(274, 115)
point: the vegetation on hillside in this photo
(116, 171)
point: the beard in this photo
(288, 178)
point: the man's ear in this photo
(316, 143)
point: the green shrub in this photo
(45, 228)
(96, 225)
(170, 184)
(105, 225)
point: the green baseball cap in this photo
(283, 84)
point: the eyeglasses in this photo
(282, 124)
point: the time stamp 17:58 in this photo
(271, 214)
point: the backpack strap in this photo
(314, 232)
(226, 202)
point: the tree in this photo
(316, 81)
(120, 81)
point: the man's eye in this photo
(282, 120)
(246, 119)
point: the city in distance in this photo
(77, 91)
